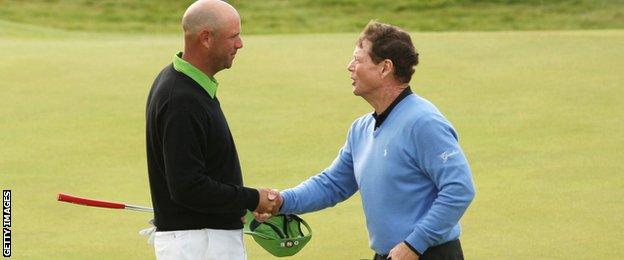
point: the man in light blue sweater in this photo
(404, 158)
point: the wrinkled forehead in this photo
(362, 49)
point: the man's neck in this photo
(197, 61)
(382, 99)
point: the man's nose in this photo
(350, 66)
(239, 44)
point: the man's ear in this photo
(387, 68)
(205, 36)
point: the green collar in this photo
(208, 83)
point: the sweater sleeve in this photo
(333, 185)
(443, 161)
(188, 184)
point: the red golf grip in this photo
(90, 202)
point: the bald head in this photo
(207, 14)
(212, 32)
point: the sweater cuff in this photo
(412, 248)
(286, 207)
(417, 241)
(251, 198)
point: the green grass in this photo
(539, 115)
(321, 16)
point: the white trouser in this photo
(200, 244)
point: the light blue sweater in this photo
(413, 177)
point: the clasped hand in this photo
(269, 204)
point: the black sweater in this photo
(194, 173)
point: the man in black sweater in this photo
(194, 172)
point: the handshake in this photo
(269, 204)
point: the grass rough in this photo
(324, 16)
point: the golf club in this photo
(100, 203)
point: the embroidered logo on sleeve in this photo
(447, 154)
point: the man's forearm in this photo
(445, 212)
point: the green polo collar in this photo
(208, 83)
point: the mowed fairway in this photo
(540, 116)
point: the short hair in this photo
(391, 42)
(197, 21)
(199, 15)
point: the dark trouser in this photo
(448, 251)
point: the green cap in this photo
(280, 235)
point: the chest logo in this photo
(385, 152)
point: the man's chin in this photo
(229, 64)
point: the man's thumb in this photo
(272, 196)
